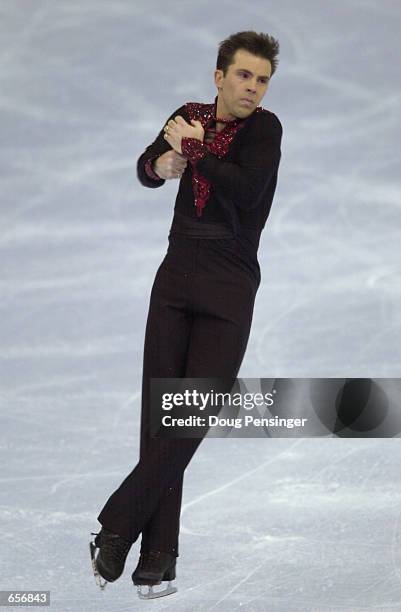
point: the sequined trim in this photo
(205, 113)
(193, 149)
(149, 170)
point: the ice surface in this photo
(311, 525)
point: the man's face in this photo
(243, 87)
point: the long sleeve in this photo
(154, 150)
(243, 182)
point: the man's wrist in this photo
(193, 149)
(150, 169)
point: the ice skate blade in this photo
(151, 594)
(100, 581)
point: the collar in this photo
(225, 121)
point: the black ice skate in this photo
(108, 563)
(154, 567)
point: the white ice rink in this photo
(285, 525)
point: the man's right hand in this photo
(170, 165)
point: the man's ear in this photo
(218, 77)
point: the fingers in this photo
(174, 174)
(172, 125)
(178, 161)
(180, 120)
(176, 165)
(169, 129)
(178, 168)
(179, 157)
(177, 171)
(170, 165)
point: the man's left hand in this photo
(178, 128)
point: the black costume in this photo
(202, 299)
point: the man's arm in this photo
(245, 181)
(147, 162)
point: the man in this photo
(226, 156)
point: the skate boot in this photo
(154, 567)
(108, 563)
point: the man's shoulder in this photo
(197, 109)
(200, 104)
(264, 118)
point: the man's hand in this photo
(170, 165)
(178, 128)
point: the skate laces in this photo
(117, 546)
(150, 557)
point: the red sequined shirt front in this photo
(216, 142)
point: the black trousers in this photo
(198, 325)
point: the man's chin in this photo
(243, 113)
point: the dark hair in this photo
(261, 45)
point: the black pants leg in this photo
(198, 326)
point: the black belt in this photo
(194, 228)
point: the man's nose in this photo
(251, 86)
